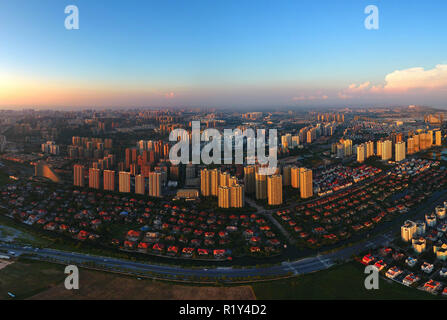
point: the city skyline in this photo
(223, 55)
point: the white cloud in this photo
(399, 81)
(417, 78)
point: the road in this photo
(302, 266)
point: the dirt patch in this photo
(97, 285)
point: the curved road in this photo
(306, 265)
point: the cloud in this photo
(402, 81)
(417, 78)
(358, 88)
(170, 95)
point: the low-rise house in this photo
(133, 235)
(427, 267)
(368, 259)
(187, 252)
(411, 262)
(393, 272)
(380, 265)
(143, 246)
(202, 252)
(218, 253)
(410, 279)
(432, 286)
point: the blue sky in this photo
(215, 53)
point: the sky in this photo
(222, 53)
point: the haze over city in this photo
(258, 54)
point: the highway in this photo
(302, 266)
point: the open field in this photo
(11, 231)
(25, 279)
(98, 285)
(340, 282)
(38, 280)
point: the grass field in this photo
(19, 234)
(38, 280)
(25, 279)
(341, 282)
(98, 285)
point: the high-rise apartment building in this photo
(274, 189)
(369, 149)
(94, 178)
(387, 150)
(306, 183)
(155, 184)
(360, 153)
(295, 177)
(286, 175)
(399, 151)
(214, 181)
(438, 138)
(408, 230)
(140, 184)
(205, 182)
(78, 175)
(224, 197)
(261, 186)
(379, 148)
(109, 180)
(124, 181)
(237, 196)
(410, 145)
(249, 179)
(224, 179)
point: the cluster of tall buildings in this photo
(416, 233)
(271, 187)
(310, 133)
(50, 147)
(288, 141)
(142, 158)
(107, 179)
(384, 148)
(365, 151)
(222, 185)
(328, 117)
(84, 147)
(343, 148)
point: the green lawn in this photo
(27, 278)
(341, 282)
